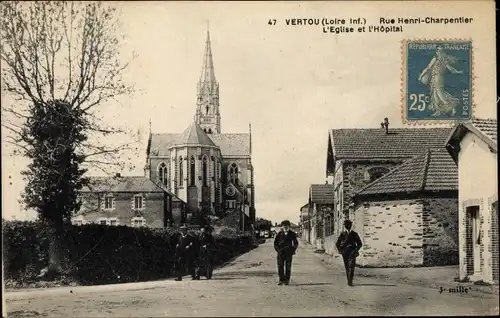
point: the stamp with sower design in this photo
(437, 81)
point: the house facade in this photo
(409, 217)
(358, 157)
(131, 201)
(320, 211)
(304, 225)
(473, 146)
(210, 170)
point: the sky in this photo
(292, 83)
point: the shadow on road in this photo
(311, 284)
(226, 278)
(373, 285)
(244, 273)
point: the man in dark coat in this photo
(184, 254)
(206, 254)
(285, 244)
(349, 244)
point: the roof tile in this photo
(433, 170)
(376, 144)
(121, 184)
(487, 127)
(322, 193)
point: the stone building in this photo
(305, 229)
(210, 170)
(131, 201)
(473, 146)
(357, 157)
(321, 213)
(409, 216)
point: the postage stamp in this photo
(437, 81)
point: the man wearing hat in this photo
(349, 244)
(206, 252)
(183, 254)
(285, 244)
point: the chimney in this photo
(118, 175)
(385, 124)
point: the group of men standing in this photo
(194, 254)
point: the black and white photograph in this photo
(249, 159)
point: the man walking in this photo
(285, 244)
(184, 254)
(349, 244)
(205, 265)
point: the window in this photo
(163, 173)
(138, 202)
(231, 204)
(103, 222)
(138, 222)
(113, 222)
(214, 170)
(373, 174)
(233, 173)
(210, 130)
(108, 202)
(77, 222)
(192, 172)
(205, 171)
(181, 172)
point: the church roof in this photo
(194, 135)
(231, 144)
(122, 184)
(399, 143)
(321, 193)
(433, 170)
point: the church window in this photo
(163, 173)
(205, 170)
(209, 130)
(192, 172)
(233, 173)
(214, 170)
(181, 172)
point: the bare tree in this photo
(66, 51)
(60, 60)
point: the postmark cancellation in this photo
(437, 81)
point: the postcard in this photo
(232, 159)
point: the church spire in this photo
(207, 105)
(207, 77)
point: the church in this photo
(208, 169)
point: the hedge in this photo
(99, 254)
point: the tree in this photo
(60, 64)
(263, 225)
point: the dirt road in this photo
(248, 287)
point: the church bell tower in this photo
(207, 105)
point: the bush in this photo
(98, 254)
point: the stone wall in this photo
(405, 233)
(440, 232)
(391, 233)
(354, 177)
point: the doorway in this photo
(473, 241)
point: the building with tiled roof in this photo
(129, 200)
(473, 146)
(356, 158)
(209, 169)
(320, 212)
(430, 172)
(409, 216)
